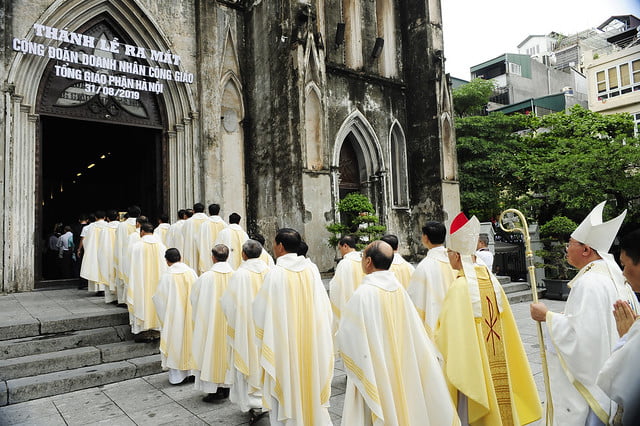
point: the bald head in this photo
(377, 256)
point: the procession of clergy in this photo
(437, 345)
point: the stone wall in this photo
(257, 64)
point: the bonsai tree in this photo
(555, 235)
(357, 219)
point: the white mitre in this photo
(596, 234)
(463, 234)
(463, 238)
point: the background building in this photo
(614, 82)
(520, 78)
(274, 109)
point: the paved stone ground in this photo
(151, 400)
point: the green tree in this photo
(490, 171)
(472, 98)
(577, 159)
(357, 219)
(561, 164)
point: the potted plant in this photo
(357, 219)
(555, 235)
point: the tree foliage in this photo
(561, 164)
(356, 219)
(472, 98)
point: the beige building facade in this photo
(614, 83)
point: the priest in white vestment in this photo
(400, 267)
(175, 236)
(346, 279)
(146, 267)
(233, 236)
(292, 315)
(191, 233)
(208, 236)
(173, 304)
(163, 228)
(264, 256)
(90, 268)
(125, 228)
(210, 349)
(236, 303)
(393, 374)
(106, 257)
(132, 238)
(620, 375)
(433, 276)
(583, 337)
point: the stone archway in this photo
(21, 123)
(358, 164)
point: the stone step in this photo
(503, 279)
(125, 350)
(60, 341)
(514, 287)
(522, 296)
(28, 388)
(49, 325)
(33, 365)
(49, 362)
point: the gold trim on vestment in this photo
(593, 403)
(369, 387)
(492, 333)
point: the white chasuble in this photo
(402, 270)
(583, 338)
(106, 260)
(429, 284)
(125, 229)
(210, 349)
(161, 232)
(173, 304)
(233, 236)
(292, 316)
(146, 267)
(175, 237)
(90, 268)
(121, 250)
(266, 258)
(620, 375)
(206, 240)
(394, 377)
(191, 233)
(345, 281)
(236, 303)
(133, 238)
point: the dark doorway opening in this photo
(88, 166)
(349, 168)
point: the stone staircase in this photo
(49, 355)
(517, 292)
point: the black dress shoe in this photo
(99, 293)
(188, 379)
(221, 394)
(256, 414)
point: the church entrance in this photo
(88, 166)
(349, 169)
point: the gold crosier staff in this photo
(534, 291)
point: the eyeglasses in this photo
(566, 245)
